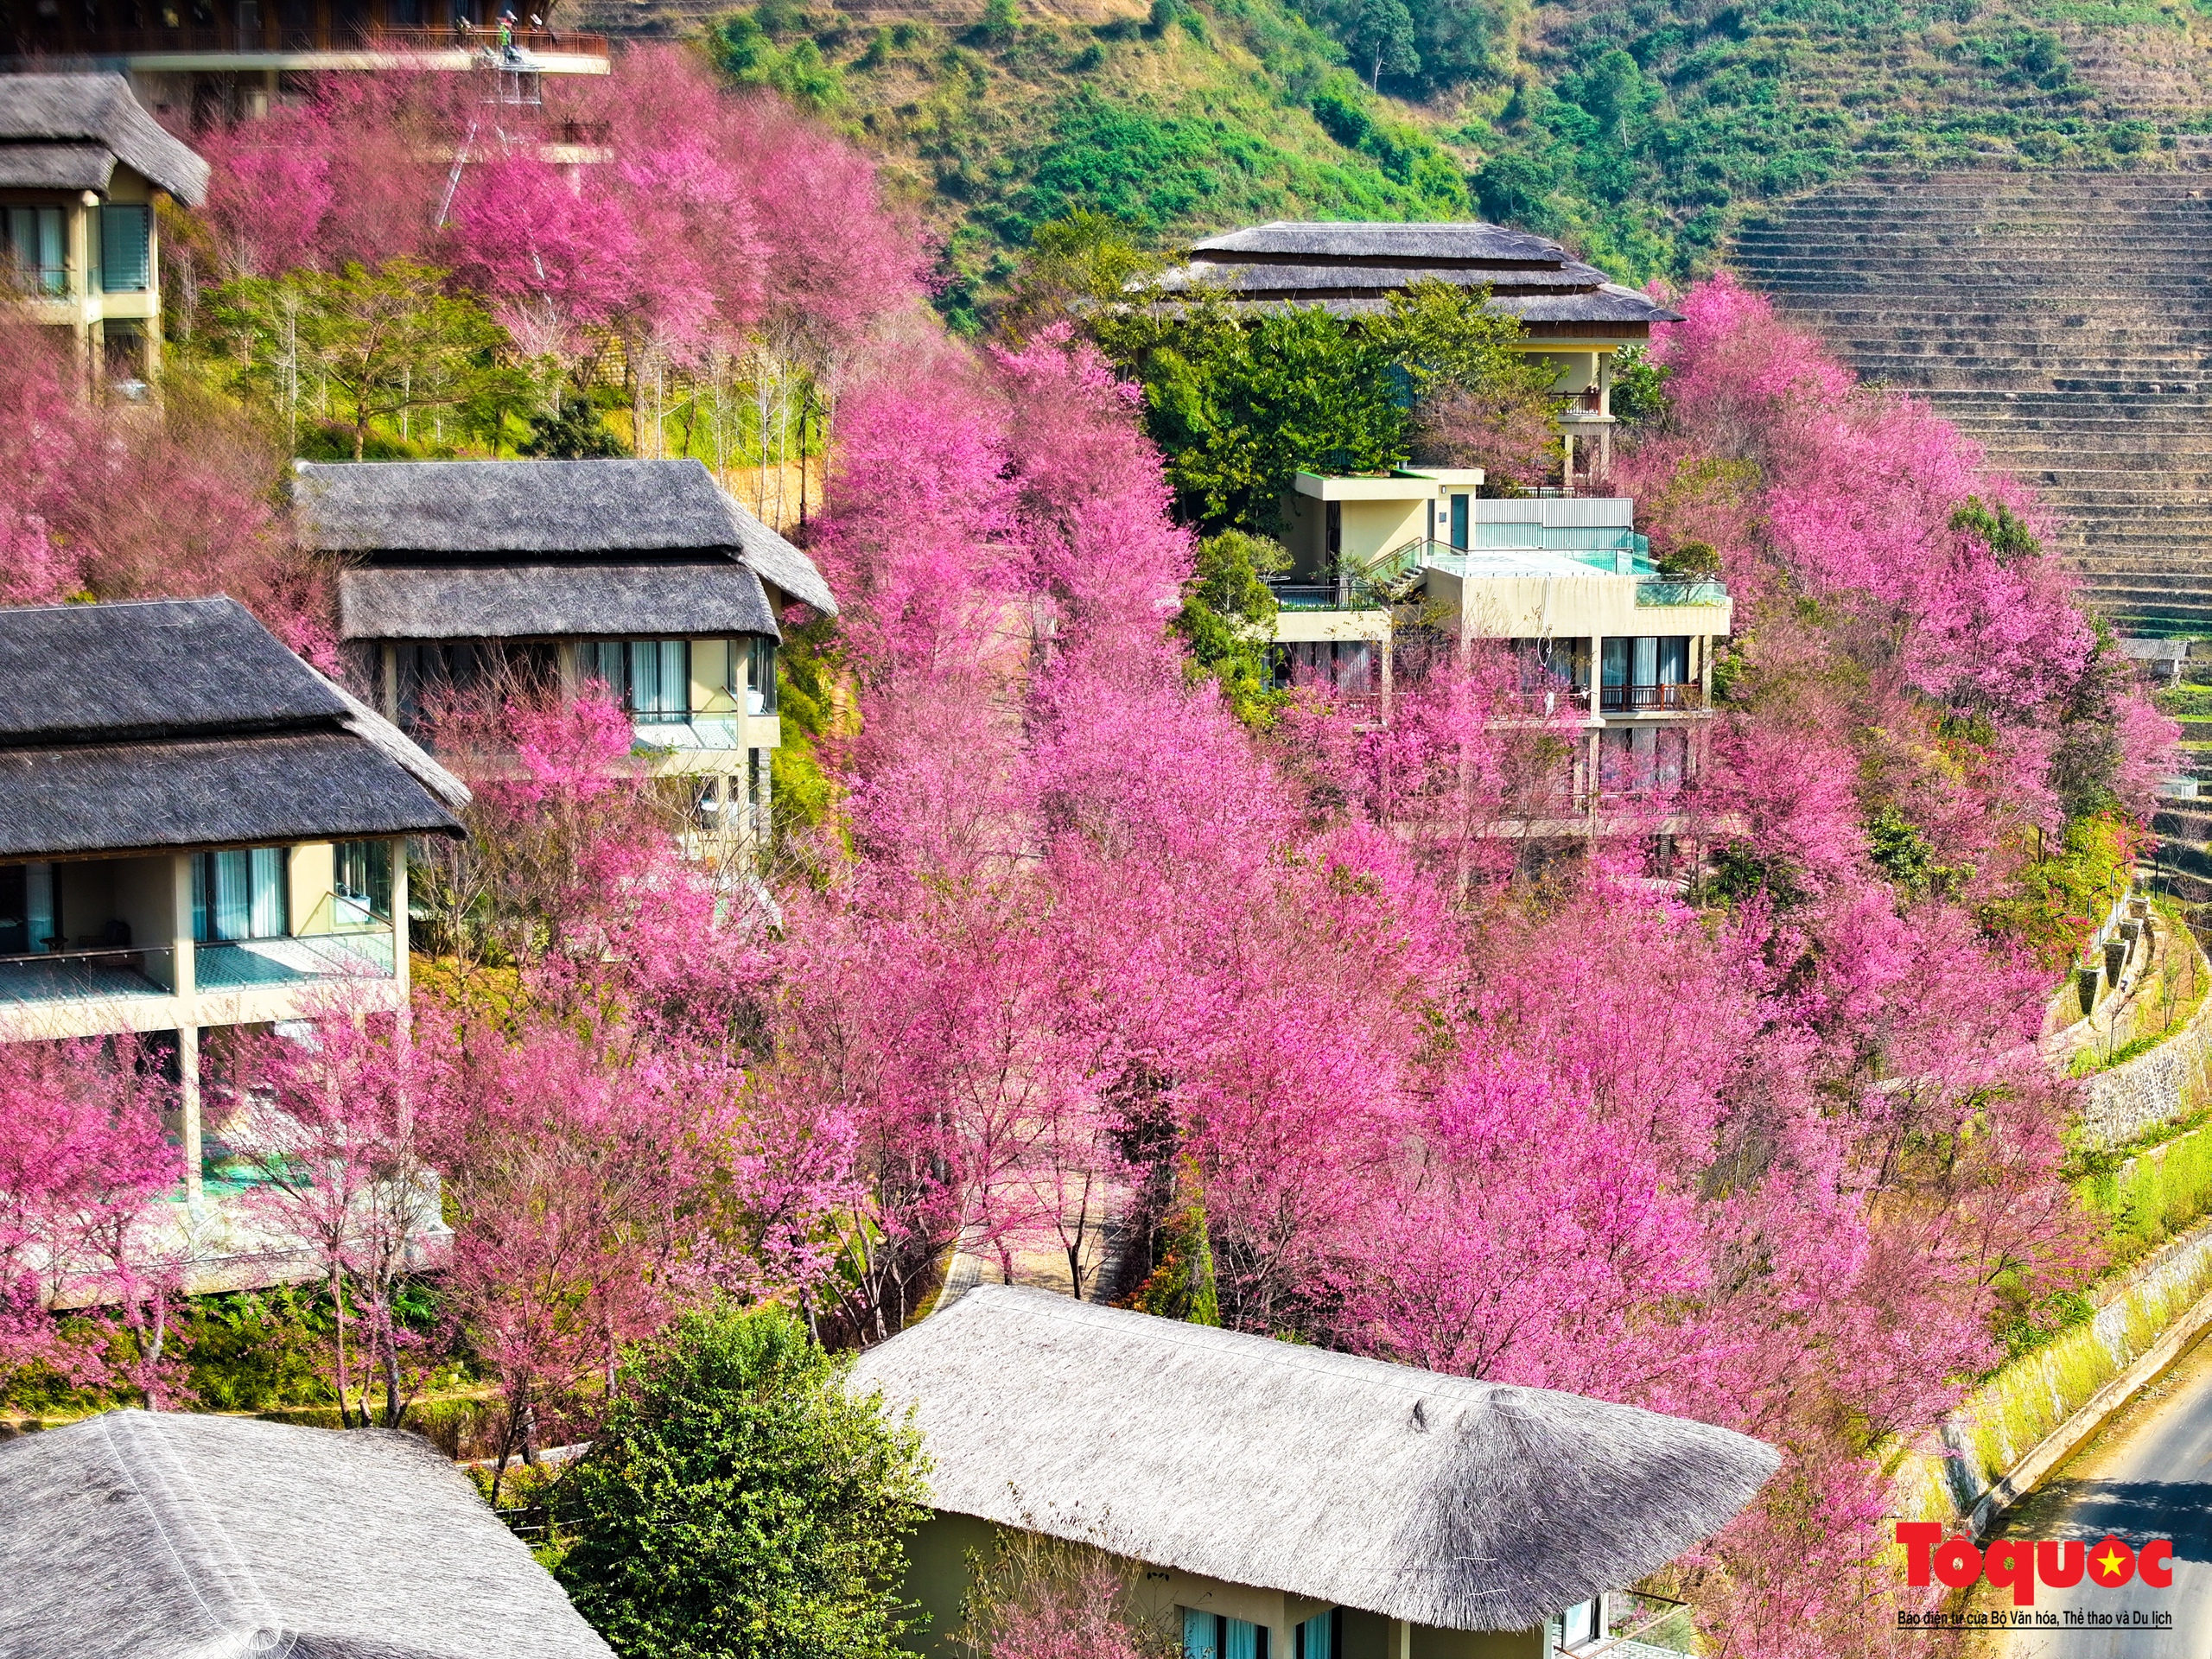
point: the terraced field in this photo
(2063, 319)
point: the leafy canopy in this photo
(740, 1505)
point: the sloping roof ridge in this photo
(195, 1541)
(380, 735)
(1382, 1373)
(102, 107)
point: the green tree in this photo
(575, 432)
(1082, 260)
(1228, 619)
(740, 1505)
(372, 345)
(1383, 35)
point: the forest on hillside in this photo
(1636, 131)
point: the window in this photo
(28, 922)
(126, 250)
(1210, 1636)
(759, 686)
(648, 678)
(34, 243)
(1316, 1638)
(240, 894)
(1352, 667)
(1577, 1624)
(1649, 671)
(362, 878)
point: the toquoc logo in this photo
(2019, 1564)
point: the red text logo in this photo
(2020, 1564)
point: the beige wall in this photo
(1566, 608)
(940, 1559)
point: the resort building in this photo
(1278, 1502)
(197, 831)
(1603, 633)
(643, 576)
(1572, 315)
(82, 165)
(179, 1533)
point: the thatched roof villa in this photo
(644, 575)
(1286, 1502)
(158, 1534)
(197, 831)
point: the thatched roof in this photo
(148, 1534)
(541, 601)
(177, 723)
(68, 132)
(489, 512)
(1351, 269)
(1450, 1503)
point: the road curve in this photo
(2148, 1475)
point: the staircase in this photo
(2063, 320)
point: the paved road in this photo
(2148, 1475)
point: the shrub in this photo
(740, 1505)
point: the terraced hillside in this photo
(2063, 318)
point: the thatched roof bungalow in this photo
(197, 831)
(642, 575)
(158, 1534)
(1286, 1502)
(1572, 315)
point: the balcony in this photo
(661, 731)
(98, 976)
(1681, 698)
(252, 964)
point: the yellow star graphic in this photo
(2110, 1562)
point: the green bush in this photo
(740, 1505)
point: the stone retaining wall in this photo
(2172, 1080)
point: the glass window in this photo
(1317, 1636)
(760, 675)
(242, 893)
(1647, 661)
(35, 242)
(1578, 1623)
(1242, 1639)
(29, 921)
(1674, 658)
(363, 879)
(126, 253)
(1614, 656)
(1201, 1635)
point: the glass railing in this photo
(87, 976)
(1323, 596)
(656, 730)
(1639, 1626)
(243, 964)
(1706, 590)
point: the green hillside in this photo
(1636, 131)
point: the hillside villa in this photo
(1278, 1501)
(197, 831)
(1572, 315)
(1566, 581)
(82, 165)
(643, 576)
(172, 1531)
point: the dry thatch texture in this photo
(148, 1536)
(1349, 269)
(43, 112)
(1449, 1502)
(183, 723)
(485, 513)
(286, 786)
(550, 602)
(159, 668)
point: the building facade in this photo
(1270, 1501)
(83, 166)
(642, 577)
(1605, 637)
(1573, 315)
(198, 832)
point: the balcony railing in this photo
(1706, 591)
(659, 730)
(247, 964)
(87, 976)
(1652, 699)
